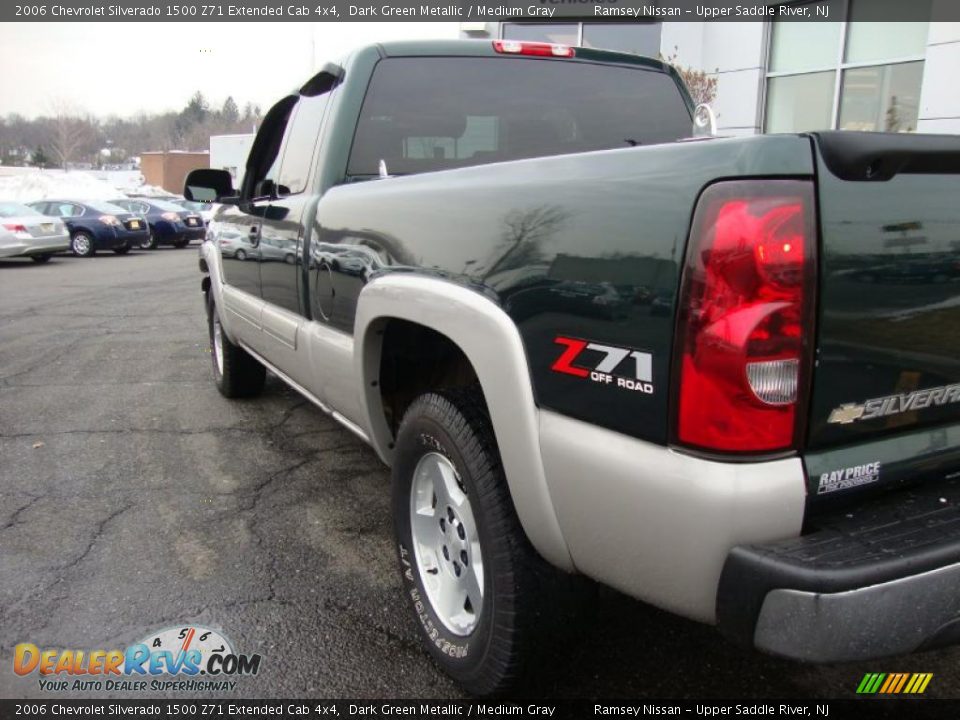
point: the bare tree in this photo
(70, 131)
(702, 85)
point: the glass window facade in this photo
(849, 74)
(639, 38)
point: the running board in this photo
(348, 424)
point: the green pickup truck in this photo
(719, 375)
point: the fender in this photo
(211, 256)
(492, 343)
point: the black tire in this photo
(240, 255)
(40, 259)
(240, 375)
(81, 244)
(150, 243)
(122, 250)
(489, 659)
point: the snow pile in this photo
(74, 185)
(126, 181)
(152, 191)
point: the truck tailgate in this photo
(888, 348)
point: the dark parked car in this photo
(170, 224)
(96, 225)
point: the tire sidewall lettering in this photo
(454, 648)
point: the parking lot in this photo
(133, 497)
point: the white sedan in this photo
(26, 233)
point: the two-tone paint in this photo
(502, 260)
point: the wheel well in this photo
(415, 359)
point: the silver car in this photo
(26, 233)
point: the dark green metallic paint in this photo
(587, 245)
(889, 307)
(926, 455)
(591, 245)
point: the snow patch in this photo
(30, 184)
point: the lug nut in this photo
(461, 533)
(463, 556)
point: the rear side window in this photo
(423, 114)
(68, 210)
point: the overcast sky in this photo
(122, 68)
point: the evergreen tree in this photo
(230, 112)
(39, 158)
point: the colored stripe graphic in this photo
(894, 683)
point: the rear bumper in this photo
(881, 580)
(36, 246)
(133, 238)
(107, 239)
(658, 524)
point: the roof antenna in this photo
(383, 169)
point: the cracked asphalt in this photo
(133, 497)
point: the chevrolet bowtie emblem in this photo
(846, 414)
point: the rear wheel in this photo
(470, 574)
(235, 372)
(149, 243)
(82, 245)
(40, 259)
(240, 255)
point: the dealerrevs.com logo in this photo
(185, 658)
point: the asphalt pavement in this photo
(134, 498)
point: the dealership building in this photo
(794, 76)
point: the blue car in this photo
(96, 225)
(170, 224)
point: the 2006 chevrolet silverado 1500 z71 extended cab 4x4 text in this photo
(721, 376)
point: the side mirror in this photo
(266, 188)
(208, 185)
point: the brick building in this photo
(169, 169)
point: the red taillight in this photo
(15, 227)
(745, 317)
(540, 49)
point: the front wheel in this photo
(469, 572)
(149, 242)
(236, 373)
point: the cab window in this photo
(435, 113)
(263, 165)
(301, 144)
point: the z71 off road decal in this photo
(619, 367)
